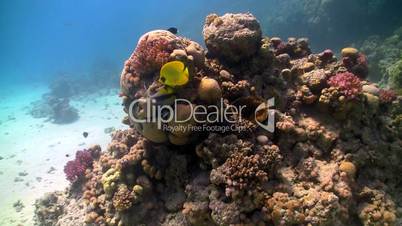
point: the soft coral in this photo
(75, 169)
(347, 83)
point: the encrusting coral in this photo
(333, 159)
(232, 37)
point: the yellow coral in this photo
(349, 168)
(349, 52)
(109, 180)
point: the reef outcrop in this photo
(55, 105)
(334, 157)
(54, 109)
(232, 37)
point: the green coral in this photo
(110, 180)
(385, 57)
(395, 75)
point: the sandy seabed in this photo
(34, 151)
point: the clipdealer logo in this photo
(270, 124)
(147, 110)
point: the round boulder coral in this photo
(232, 37)
(209, 90)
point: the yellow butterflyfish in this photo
(174, 73)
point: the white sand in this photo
(34, 146)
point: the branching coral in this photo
(216, 149)
(75, 169)
(245, 169)
(347, 83)
(285, 210)
(123, 198)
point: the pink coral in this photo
(387, 96)
(151, 55)
(75, 169)
(347, 83)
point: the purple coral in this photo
(75, 169)
(151, 55)
(347, 83)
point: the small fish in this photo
(85, 134)
(174, 73)
(172, 30)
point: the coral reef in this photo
(153, 50)
(355, 61)
(333, 159)
(347, 84)
(75, 169)
(232, 37)
(55, 105)
(59, 208)
(48, 209)
(56, 110)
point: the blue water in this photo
(41, 39)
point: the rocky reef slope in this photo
(333, 159)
